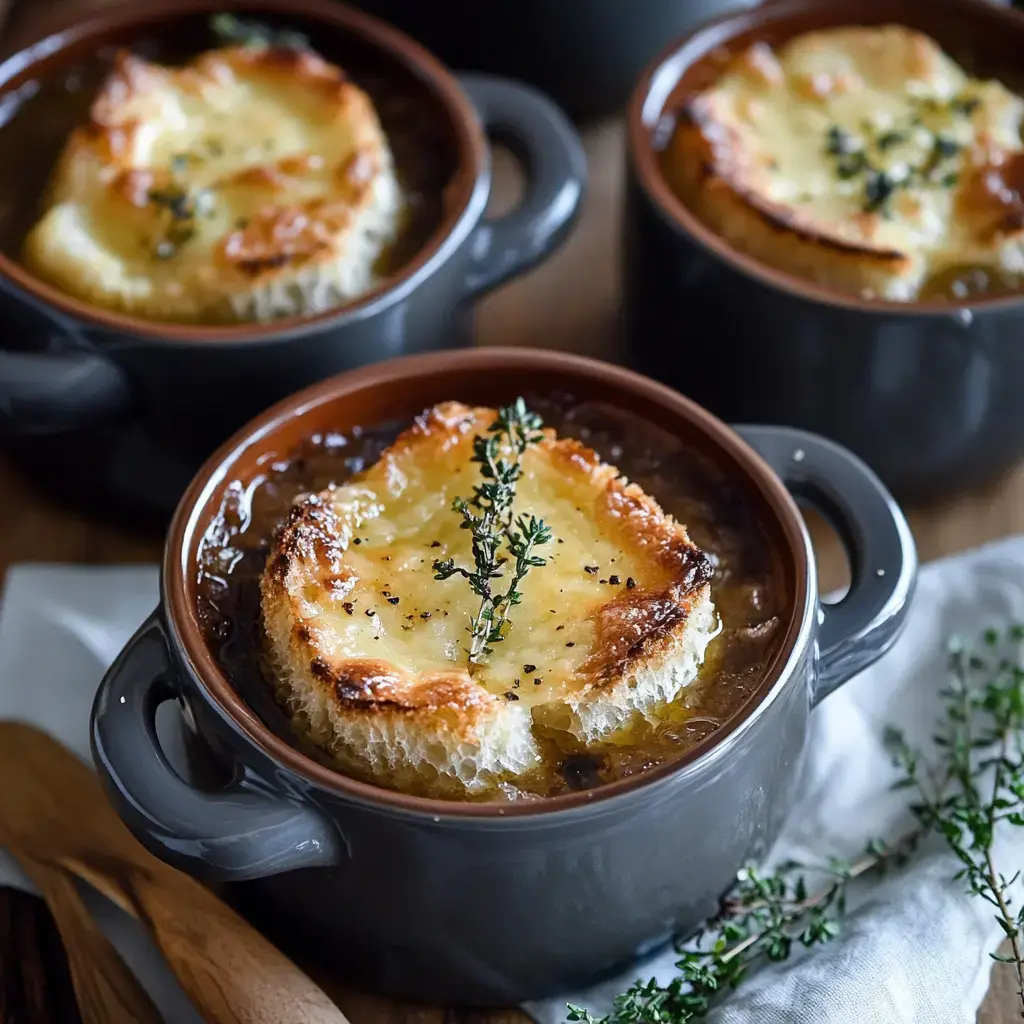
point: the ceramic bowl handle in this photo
(862, 626)
(543, 139)
(55, 380)
(49, 392)
(241, 832)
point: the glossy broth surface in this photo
(748, 588)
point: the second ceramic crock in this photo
(926, 393)
(494, 903)
(585, 53)
(127, 409)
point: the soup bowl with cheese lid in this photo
(216, 204)
(834, 192)
(477, 816)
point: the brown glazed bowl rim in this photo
(428, 70)
(722, 29)
(190, 523)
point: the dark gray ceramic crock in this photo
(927, 394)
(494, 903)
(584, 53)
(127, 409)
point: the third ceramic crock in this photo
(927, 393)
(492, 903)
(124, 409)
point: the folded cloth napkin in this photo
(914, 947)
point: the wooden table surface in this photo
(567, 304)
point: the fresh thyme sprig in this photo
(761, 919)
(979, 783)
(973, 787)
(488, 515)
(229, 28)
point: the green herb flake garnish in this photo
(229, 28)
(889, 139)
(496, 536)
(851, 164)
(878, 190)
(965, 105)
(181, 209)
(946, 147)
(839, 142)
(178, 203)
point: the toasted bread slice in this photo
(251, 183)
(863, 159)
(371, 650)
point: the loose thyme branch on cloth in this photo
(914, 946)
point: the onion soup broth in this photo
(748, 588)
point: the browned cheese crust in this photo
(252, 182)
(863, 159)
(370, 648)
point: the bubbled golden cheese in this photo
(860, 158)
(370, 650)
(251, 183)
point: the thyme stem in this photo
(973, 785)
(760, 919)
(488, 515)
(981, 733)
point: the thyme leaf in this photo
(978, 784)
(761, 919)
(497, 537)
(878, 190)
(229, 28)
(969, 789)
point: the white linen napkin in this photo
(914, 947)
(60, 627)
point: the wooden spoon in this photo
(35, 981)
(105, 987)
(57, 812)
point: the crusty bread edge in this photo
(337, 703)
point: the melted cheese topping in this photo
(372, 648)
(252, 183)
(870, 142)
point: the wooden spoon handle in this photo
(35, 981)
(105, 988)
(230, 971)
(232, 974)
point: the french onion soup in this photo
(492, 604)
(240, 181)
(864, 159)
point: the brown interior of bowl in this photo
(985, 38)
(400, 389)
(46, 91)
